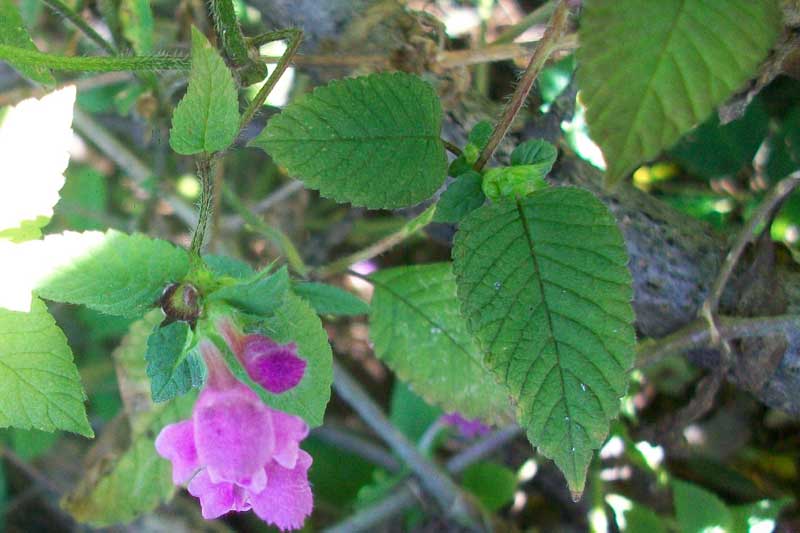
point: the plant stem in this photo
(205, 169)
(274, 234)
(556, 27)
(537, 16)
(435, 482)
(295, 37)
(452, 148)
(93, 64)
(387, 243)
(68, 13)
(402, 498)
(229, 32)
(346, 440)
(697, 335)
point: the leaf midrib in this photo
(539, 281)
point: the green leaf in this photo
(512, 182)
(463, 196)
(678, 61)
(296, 322)
(632, 517)
(418, 331)
(221, 265)
(699, 510)
(126, 478)
(493, 484)
(545, 288)
(41, 386)
(758, 516)
(371, 141)
(712, 150)
(207, 117)
(138, 25)
(14, 33)
(330, 300)
(83, 200)
(118, 274)
(35, 136)
(260, 296)
(538, 153)
(173, 369)
(409, 413)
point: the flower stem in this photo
(205, 168)
(13, 54)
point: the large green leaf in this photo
(117, 274)
(34, 140)
(207, 117)
(545, 288)
(650, 71)
(259, 296)
(331, 300)
(371, 141)
(124, 477)
(41, 386)
(418, 331)
(14, 33)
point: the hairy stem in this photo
(229, 32)
(537, 16)
(205, 169)
(68, 13)
(556, 27)
(93, 64)
(295, 36)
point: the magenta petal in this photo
(289, 431)
(176, 443)
(469, 428)
(279, 371)
(216, 499)
(233, 433)
(287, 500)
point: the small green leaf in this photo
(14, 33)
(259, 297)
(294, 321)
(512, 182)
(545, 288)
(83, 200)
(461, 198)
(418, 331)
(371, 141)
(493, 484)
(480, 134)
(758, 516)
(207, 117)
(138, 25)
(127, 478)
(221, 265)
(539, 153)
(679, 59)
(699, 510)
(330, 300)
(173, 369)
(35, 136)
(41, 386)
(117, 274)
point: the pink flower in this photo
(468, 428)
(238, 454)
(275, 367)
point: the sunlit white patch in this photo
(577, 135)
(461, 21)
(598, 519)
(613, 448)
(279, 96)
(520, 499)
(620, 505)
(654, 455)
(35, 138)
(694, 435)
(617, 473)
(527, 471)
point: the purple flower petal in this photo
(278, 371)
(289, 431)
(216, 499)
(287, 499)
(176, 443)
(233, 434)
(468, 428)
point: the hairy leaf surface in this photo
(115, 273)
(418, 331)
(207, 117)
(371, 141)
(41, 386)
(678, 60)
(331, 300)
(545, 288)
